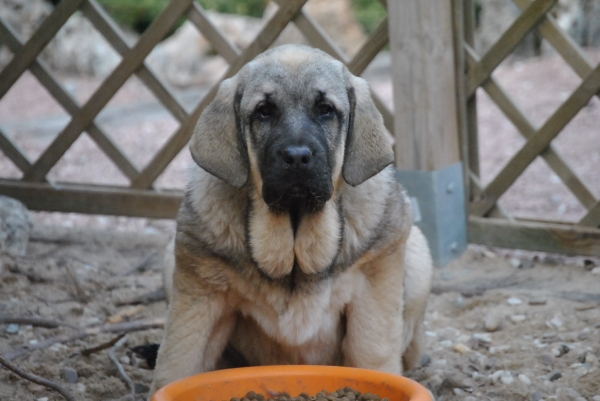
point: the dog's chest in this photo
(304, 316)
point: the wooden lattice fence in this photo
(140, 198)
(489, 224)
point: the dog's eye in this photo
(265, 111)
(325, 110)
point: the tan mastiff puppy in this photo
(295, 243)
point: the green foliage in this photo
(253, 8)
(138, 14)
(369, 13)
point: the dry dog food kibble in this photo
(343, 394)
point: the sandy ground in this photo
(548, 307)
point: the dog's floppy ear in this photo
(368, 148)
(216, 144)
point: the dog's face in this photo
(294, 120)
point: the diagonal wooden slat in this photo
(226, 48)
(507, 43)
(174, 145)
(12, 151)
(370, 49)
(592, 218)
(113, 34)
(563, 43)
(70, 105)
(527, 129)
(44, 33)
(537, 143)
(155, 32)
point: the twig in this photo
(81, 295)
(37, 380)
(103, 346)
(113, 358)
(126, 327)
(141, 265)
(35, 321)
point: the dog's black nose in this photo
(297, 156)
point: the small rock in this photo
(580, 372)
(70, 375)
(547, 359)
(514, 301)
(81, 387)
(506, 378)
(141, 388)
(555, 322)
(514, 262)
(517, 318)
(495, 377)
(492, 322)
(458, 391)
(425, 360)
(555, 375)
(591, 359)
(596, 270)
(461, 349)
(584, 334)
(537, 301)
(589, 264)
(483, 337)
(560, 350)
(124, 360)
(537, 396)
(524, 379)
(15, 224)
(12, 328)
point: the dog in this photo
(294, 242)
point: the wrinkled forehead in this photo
(294, 80)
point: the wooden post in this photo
(425, 115)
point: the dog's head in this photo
(295, 120)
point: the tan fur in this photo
(359, 293)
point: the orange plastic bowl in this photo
(222, 385)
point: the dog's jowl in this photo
(294, 244)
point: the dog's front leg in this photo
(198, 328)
(374, 316)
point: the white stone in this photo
(458, 391)
(81, 387)
(431, 334)
(461, 349)
(506, 378)
(492, 322)
(518, 318)
(596, 270)
(514, 301)
(483, 337)
(124, 360)
(524, 379)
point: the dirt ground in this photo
(543, 317)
